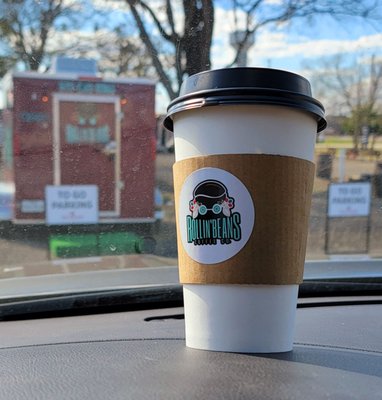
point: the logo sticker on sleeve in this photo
(216, 215)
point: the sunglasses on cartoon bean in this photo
(216, 209)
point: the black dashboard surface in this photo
(142, 355)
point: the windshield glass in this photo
(86, 178)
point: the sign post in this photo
(346, 200)
(71, 204)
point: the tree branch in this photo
(158, 24)
(170, 17)
(152, 50)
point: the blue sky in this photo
(304, 44)
(303, 40)
(298, 46)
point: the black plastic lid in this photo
(246, 86)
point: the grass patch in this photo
(344, 142)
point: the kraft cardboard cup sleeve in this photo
(243, 177)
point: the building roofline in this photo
(72, 76)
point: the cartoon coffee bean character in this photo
(211, 201)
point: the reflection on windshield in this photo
(86, 165)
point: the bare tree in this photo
(25, 27)
(122, 54)
(188, 37)
(356, 88)
(190, 40)
(260, 13)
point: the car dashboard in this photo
(141, 354)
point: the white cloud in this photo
(276, 45)
(271, 44)
(222, 53)
(110, 5)
(274, 2)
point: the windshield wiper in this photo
(331, 288)
(94, 302)
(165, 296)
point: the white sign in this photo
(349, 199)
(71, 204)
(216, 215)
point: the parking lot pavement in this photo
(85, 264)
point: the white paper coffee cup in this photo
(227, 112)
